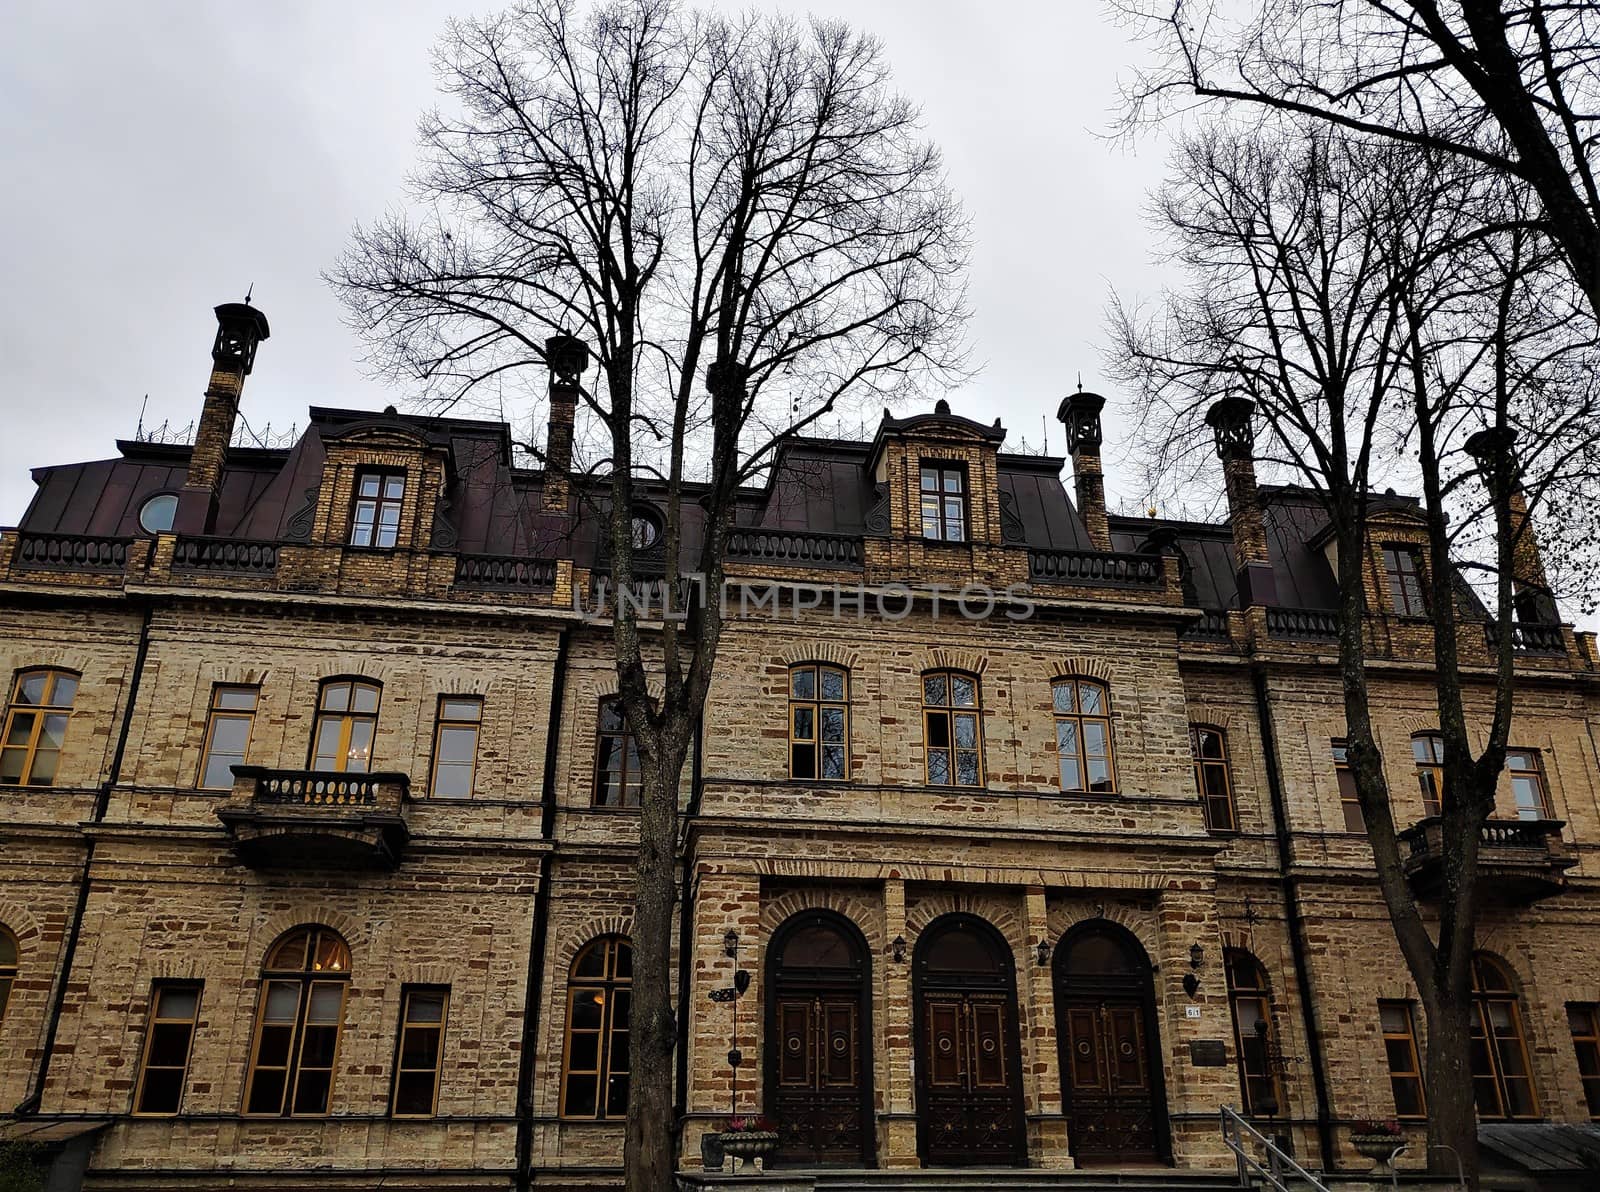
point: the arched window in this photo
(1502, 1080)
(8, 968)
(1213, 778)
(952, 728)
(1083, 735)
(819, 722)
(298, 1022)
(36, 725)
(1251, 1002)
(617, 779)
(594, 1067)
(347, 721)
(1428, 750)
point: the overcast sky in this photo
(161, 157)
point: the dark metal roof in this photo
(1545, 1148)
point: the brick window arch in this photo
(594, 1063)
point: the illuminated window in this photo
(168, 1037)
(944, 502)
(1251, 1002)
(1404, 571)
(1428, 750)
(1585, 1023)
(375, 515)
(1527, 784)
(819, 722)
(36, 726)
(228, 724)
(1212, 777)
(594, 1069)
(1349, 803)
(9, 957)
(952, 729)
(1502, 1081)
(298, 1023)
(1400, 1050)
(617, 780)
(1083, 735)
(455, 746)
(347, 722)
(418, 1051)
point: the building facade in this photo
(1028, 821)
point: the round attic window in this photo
(646, 529)
(156, 514)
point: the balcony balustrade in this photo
(1095, 568)
(224, 555)
(1519, 861)
(505, 573)
(793, 548)
(1303, 624)
(317, 819)
(70, 552)
(1527, 638)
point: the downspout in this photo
(102, 801)
(1291, 910)
(685, 928)
(534, 983)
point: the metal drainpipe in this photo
(685, 930)
(541, 919)
(30, 1103)
(1291, 909)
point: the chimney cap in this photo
(1229, 413)
(1088, 403)
(243, 315)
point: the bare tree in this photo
(1512, 86)
(1355, 291)
(741, 200)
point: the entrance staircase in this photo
(1015, 1179)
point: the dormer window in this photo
(375, 518)
(944, 502)
(1404, 570)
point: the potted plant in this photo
(746, 1138)
(1377, 1140)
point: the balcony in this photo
(312, 819)
(1303, 624)
(794, 548)
(1094, 568)
(70, 552)
(1519, 861)
(225, 556)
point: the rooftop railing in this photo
(509, 573)
(227, 555)
(1095, 567)
(70, 552)
(794, 548)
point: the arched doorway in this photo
(1110, 1061)
(969, 1065)
(819, 1032)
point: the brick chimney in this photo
(567, 357)
(240, 327)
(1080, 414)
(1229, 419)
(1494, 450)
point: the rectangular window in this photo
(228, 725)
(36, 727)
(819, 718)
(944, 502)
(455, 746)
(1400, 1049)
(346, 723)
(1427, 749)
(419, 1050)
(1401, 565)
(167, 1040)
(375, 514)
(1527, 784)
(1584, 1020)
(1354, 821)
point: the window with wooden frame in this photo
(298, 1023)
(1349, 801)
(1502, 1078)
(1250, 1000)
(1213, 778)
(819, 722)
(617, 779)
(168, 1039)
(1583, 1018)
(347, 722)
(455, 746)
(229, 721)
(952, 728)
(10, 957)
(1399, 1025)
(1529, 794)
(1402, 566)
(594, 1065)
(944, 502)
(1427, 749)
(36, 726)
(375, 508)
(419, 1051)
(1083, 735)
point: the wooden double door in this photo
(820, 1084)
(1110, 1095)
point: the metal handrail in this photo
(1279, 1166)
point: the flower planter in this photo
(1377, 1147)
(746, 1145)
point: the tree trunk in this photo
(1452, 1113)
(648, 1153)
